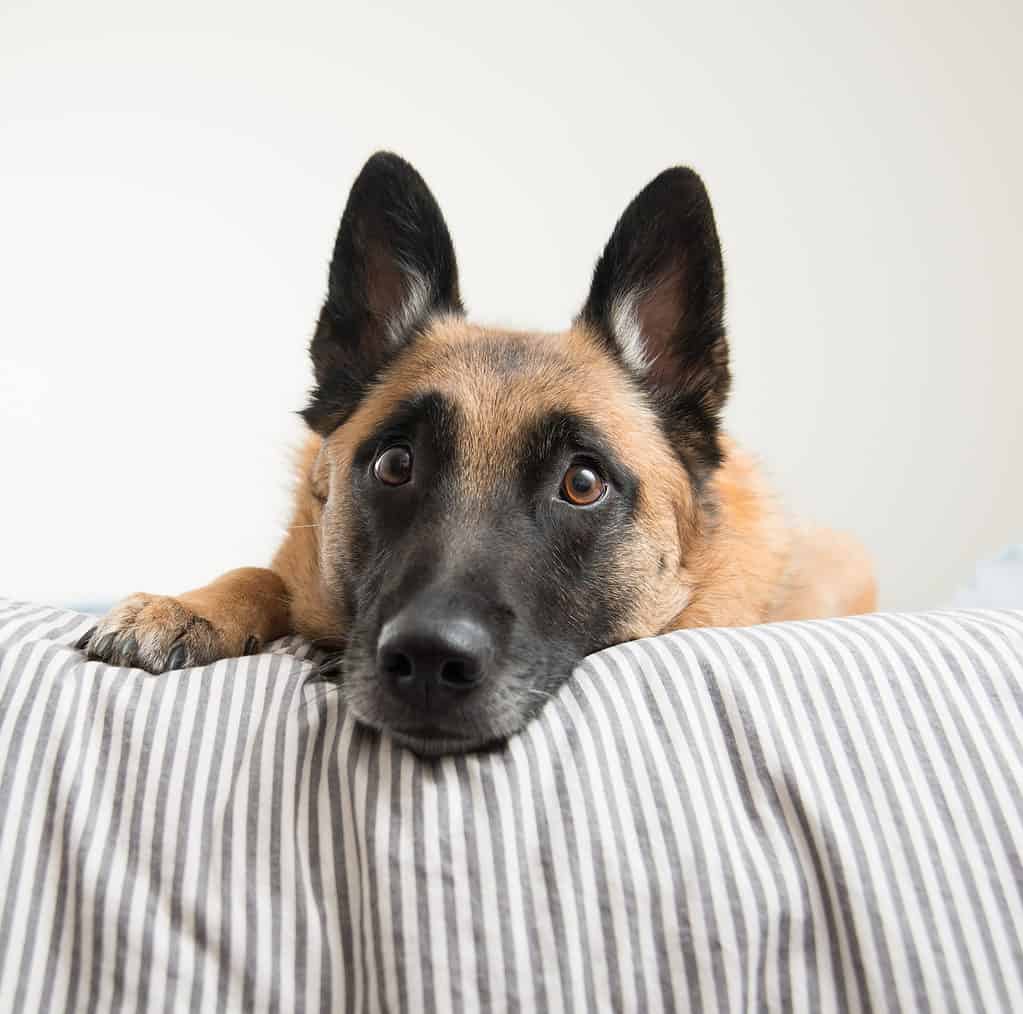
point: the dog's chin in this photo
(428, 743)
(465, 734)
(431, 741)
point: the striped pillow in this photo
(800, 816)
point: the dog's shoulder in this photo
(755, 564)
(739, 559)
(297, 560)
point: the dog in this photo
(477, 509)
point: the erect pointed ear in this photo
(393, 268)
(657, 302)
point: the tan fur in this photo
(742, 566)
(829, 574)
(736, 562)
(753, 566)
(231, 616)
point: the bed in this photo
(796, 816)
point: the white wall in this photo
(170, 182)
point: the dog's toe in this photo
(83, 642)
(100, 647)
(178, 657)
(158, 634)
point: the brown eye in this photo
(393, 467)
(582, 486)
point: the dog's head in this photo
(496, 505)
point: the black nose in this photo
(428, 658)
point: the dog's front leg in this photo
(234, 615)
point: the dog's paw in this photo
(158, 633)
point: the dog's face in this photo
(496, 505)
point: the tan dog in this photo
(477, 509)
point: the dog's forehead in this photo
(502, 384)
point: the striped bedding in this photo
(800, 816)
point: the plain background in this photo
(171, 178)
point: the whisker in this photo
(330, 670)
(302, 700)
(332, 644)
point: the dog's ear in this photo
(393, 268)
(657, 303)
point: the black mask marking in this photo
(540, 574)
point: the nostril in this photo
(459, 673)
(397, 664)
(448, 655)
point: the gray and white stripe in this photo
(800, 816)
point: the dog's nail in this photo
(127, 646)
(101, 649)
(177, 659)
(251, 646)
(84, 639)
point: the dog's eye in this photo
(582, 485)
(393, 466)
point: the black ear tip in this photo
(685, 173)
(385, 160)
(388, 179)
(386, 165)
(679, 183)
